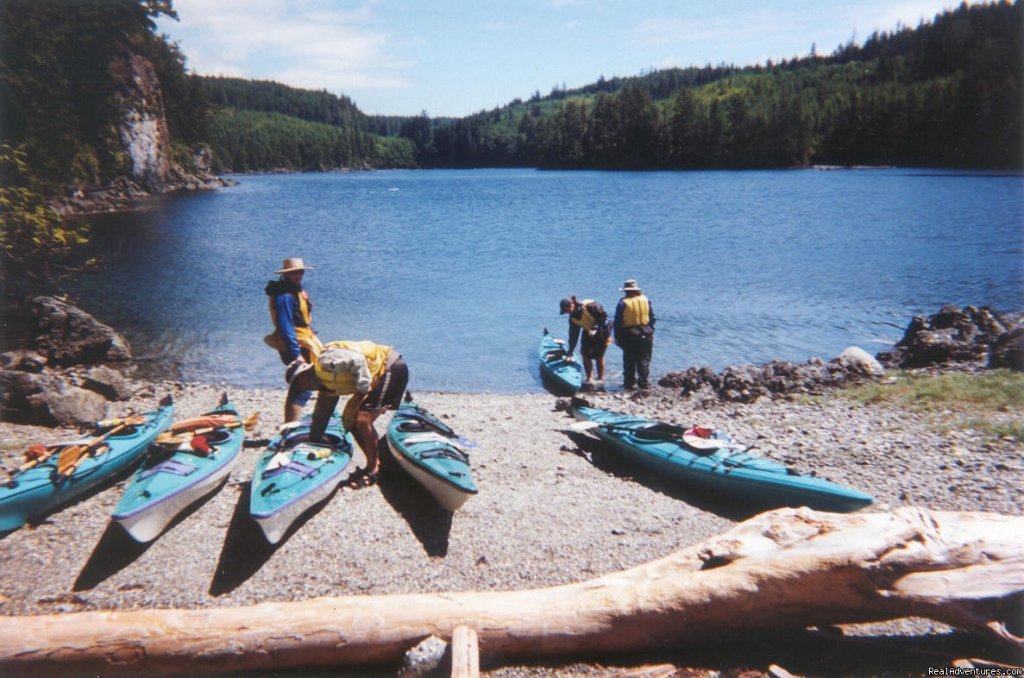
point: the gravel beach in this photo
(554, 508)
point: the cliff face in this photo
(146, 140)
(143, 125)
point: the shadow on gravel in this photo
(428, 520)
(598, 454)
(117, 550)
(246, 549)
(114, 551)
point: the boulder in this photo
(67, 335)
(68, 406)
(857, 360)
(106, 381)
(47, 399)
(1008, 351)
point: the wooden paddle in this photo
(72, 455)
(34, 456)
(177, 438)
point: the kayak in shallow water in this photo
(52, 475)
(559, 373)
(184, 464)
(294, 474)
(430, 451)
(709, 460)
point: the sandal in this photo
(361, 478)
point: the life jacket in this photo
(302, 319)
(347, 367)
(587, 320)
(636, 311)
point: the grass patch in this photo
(991, 402)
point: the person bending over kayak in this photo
(634, 334)
(375, 376)
(291, 311)
(588, 318)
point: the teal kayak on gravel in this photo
(294, 474)
(63, 471)
(429, 450)
(559, 374)
(709, 460)
(174, 476)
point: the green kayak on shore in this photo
(709, 460)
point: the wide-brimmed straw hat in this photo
(294, 264)
(630, 286)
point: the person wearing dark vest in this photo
(291, 312)
(588, 318)
(634, 334)
(373, 375)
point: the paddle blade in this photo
(251, 421)
(69, 458)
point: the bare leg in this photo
(366, 436)
(292, 412)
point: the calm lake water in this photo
(462, 270)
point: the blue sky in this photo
(457, 57)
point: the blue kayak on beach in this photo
(429, 450)
(294, 474)
(193, 461)
(560, 375)
(709, 460)
(58, 473)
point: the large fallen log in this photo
(790, 568)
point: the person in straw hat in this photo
(634, 334)
(291, 312)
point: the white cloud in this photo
(303, 43)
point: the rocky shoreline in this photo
(554, 507)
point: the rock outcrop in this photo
(146, 140)
(74, 370)
(746, 383)
(969, 337)
(973, 336)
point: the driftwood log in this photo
(790, 568)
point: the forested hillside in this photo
(69, 71)
(947, 93)
(58, 90)
(259, 125)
